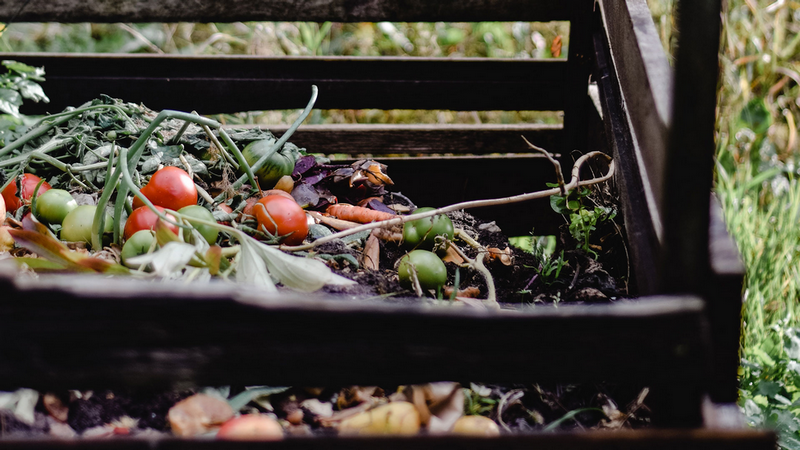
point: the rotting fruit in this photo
(276, 166)
(209, 233)
(256, 427)
(428, 268)
(170, 187)
(77, 225)
(144, 218)
(281, 216)
(54, 205)
(28, 184)
(423, 233)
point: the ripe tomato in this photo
(54, 205)
(289, 217)
(77, 226)
(28, 183)
(171, 188)
(143, 218)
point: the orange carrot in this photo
(358, 214)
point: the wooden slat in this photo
(591, 440)
(645, 79)
(291, 10)
(219, 84)
(689, 167)
(580, 59)
(91, 332)
(640, 225)
(423, 139)
(724, 294)
(441, 181)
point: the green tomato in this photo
(429, 269)
(136, 245)
(54, 205)
(77, 226)
(198, 212)
(422, 233)
(279, 164)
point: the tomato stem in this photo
(277, 145)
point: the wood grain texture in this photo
(225, 84)
(80, 332)
(424, 139)
(591, 440)
(645, 80)
(640, 225)
(289, 10)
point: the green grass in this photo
(756, 181)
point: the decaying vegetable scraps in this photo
(171, 195)
(272, 413)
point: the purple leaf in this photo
(303, 164)
(378, 205)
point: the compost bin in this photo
(680, 337)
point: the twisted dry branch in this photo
(574, 182)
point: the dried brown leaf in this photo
(372, 252)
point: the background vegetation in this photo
(757, 170)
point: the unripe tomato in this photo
(77, 225)
(430, 270)
(289, 217)
(54, 205)
(198, 212)
(279, 164)
(28, 184)
(171, 188)
(422, 233)
(138, 244)
(143, 218)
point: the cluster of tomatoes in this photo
(169, 188)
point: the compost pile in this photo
(269, 413)
(117, 189)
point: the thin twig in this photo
(574, 183)
(556, 164)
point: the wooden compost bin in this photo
(680, 337)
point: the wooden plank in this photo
(90, 332)
(577, 104)
(640, 228)
(288, 10)
(444, 181)
(724, 294)
(423, 139)
(701, 439)
(645, 79)
(689, 166)
(219, 84)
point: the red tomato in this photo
(171, 188)
(286, 214)
(28, 183)
(144, 218)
